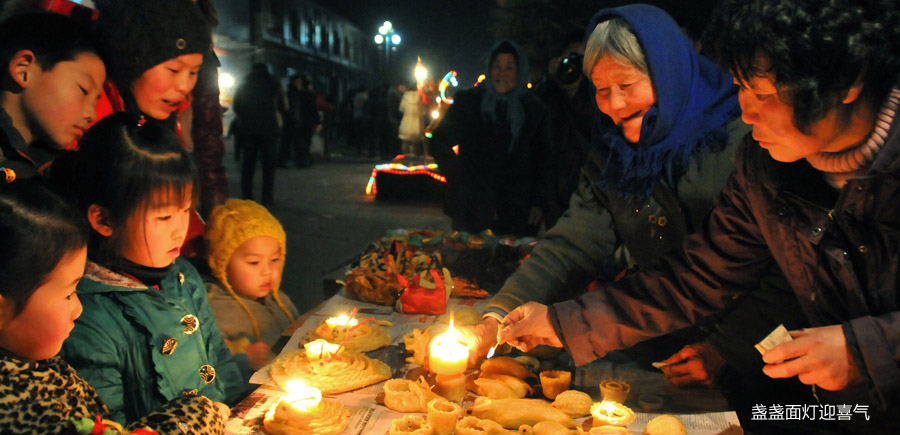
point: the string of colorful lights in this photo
(401, 169)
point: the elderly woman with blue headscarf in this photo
(499, 177)
(664, 140)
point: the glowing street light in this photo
(388, 37)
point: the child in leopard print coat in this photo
(42, 256)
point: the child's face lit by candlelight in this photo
(49, 315)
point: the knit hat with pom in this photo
(139, 35)
(232, 224)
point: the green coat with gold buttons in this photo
(140, 347)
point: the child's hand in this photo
(258, 355)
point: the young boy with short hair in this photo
(53, 75)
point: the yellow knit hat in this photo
(232, 224)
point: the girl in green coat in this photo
(147, 334)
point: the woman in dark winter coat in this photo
(814, 195)
(500, 177)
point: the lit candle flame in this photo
(342, 320)
(319, 349)
(302, 397)
(490, 353)
(447, 353)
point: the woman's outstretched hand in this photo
(528, 326)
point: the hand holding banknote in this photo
(817, 356)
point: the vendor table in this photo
(703, 410)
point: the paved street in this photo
(328, 218)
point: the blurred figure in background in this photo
(567, 94)
(300, 121)
(410, 132)
(258, 105)
(500, 177)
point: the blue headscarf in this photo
(694, 101)
(515, 112)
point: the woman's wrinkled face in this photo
(504, 73)
(624, 93)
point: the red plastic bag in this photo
(423, 297)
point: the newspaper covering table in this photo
(367, 417)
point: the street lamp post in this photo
(388, 37)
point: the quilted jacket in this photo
(140, 347)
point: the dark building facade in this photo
(293, 36)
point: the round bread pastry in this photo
(403, 395)
(665, 425)
(332, 374)
(442, 415)
(611, 413)
(574, 403)
(326, 418)
(410, 425)
(614, 390)
(364, 337)
(554, 382)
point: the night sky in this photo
(455, 36)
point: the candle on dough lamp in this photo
(448, 358)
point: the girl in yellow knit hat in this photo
(246, 255)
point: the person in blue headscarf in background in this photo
(663, 146)
(500, 177)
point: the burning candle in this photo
(320, 349)
(302, 397)
(302, 411)
(341, 321)
(448, 358)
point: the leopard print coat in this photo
(40, 397)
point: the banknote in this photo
(778, 336)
